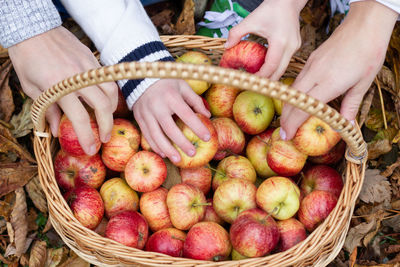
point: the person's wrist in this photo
(373, 14)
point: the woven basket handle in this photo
(137, 70)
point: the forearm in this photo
(23, 19)
(392, 4)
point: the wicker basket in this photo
(320, 247)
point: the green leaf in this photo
(41, 220)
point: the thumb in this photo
(236, 34)
(351, 102)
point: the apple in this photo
(322, 177)
(118, 196)
(315, 137)
(86, 205)
(292, 232)
(153, 206)
(332, 157)
(206, 105)
(128, 228)
(256, 152)
(237, 256)
(230, 137)
(211, 215)
(205, 151)
(220, 98)
(232, 197)
(253, 112)
(122, 110)
(124, 142)
(233, 167)
(279, 196)
(315, 207)
(196, 57)
(186, 205)
(168, 241)
(207, 241)
(278, 104)
(145, 171)
(246, 55)
(198, 177)
(68, 139)
(144, 144)
(101, 228)
(254, 233)
(284, 158)
(73, 171)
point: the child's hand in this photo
(278, 22)
(346, 63)
(154, 110)
(48, 58)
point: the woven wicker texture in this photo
(321, 246)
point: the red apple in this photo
(86, 205)
(315, 137)
(128, 228)
(153, 206)
(207, 241)
(118, 196)
(256, 152)
(68, 139)
(253, 112)
(230, 137)
(246, 55)
(198, 177)
(254, 233)
(292, 232)
(101, 228)
(145, 171)
(205, 151)
(122, 110)
(144, 144)
(284, 158)
(206, 105)
(233, 167)
(211, 215)
(220, 98)
(186, 205)
(315, 207)
(124, 142)
(279, 196)
(73, 171)
(322, 177)
(232, 197)
(168, 241)
(332, 157)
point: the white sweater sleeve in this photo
(121, 31)
(392, 4)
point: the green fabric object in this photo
(221, 6)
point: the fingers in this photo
(53, 116)
(194, 100)
(79, 117)
(284, 61)
(351, 101)
(272, 59)
(236, 34)
(145, 131)
(111, 91)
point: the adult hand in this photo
(278, 22)
(345, 63)
(50, 57)
(153, 112)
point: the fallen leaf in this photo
(392, 249)
(19, 222)
(353, 257)
(7, 205)
(38, 254)
(393, 222)
(3, 52)
(376, 188)
(309, 42)
(31, 218)
(366, 106)
(356, 234)
(374, 119)
(6, 99)
(56, 256)
(36, 194)
(11, 250)
(15, 175)
(390, 169)
(10, 232)
(185, 23)
(378, 219)
(9, 144)
(387, 80)
(173, 175)
(22, 123)
(377, 148)
(75, 261)
(24, 260)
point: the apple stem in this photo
(259, 138)
(215, 170)
(201, 204)
(231, 153)
(177, 238)
(301, 178)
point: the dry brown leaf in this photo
(392, 249)
(7, 205)
(393, 222)
(378, 148)
(36, 194)
(173, 175)
(22, 123)
(47, 227)
(185, 23)
(366, 106)
(75, 261)
(3, 52)
(390, 169)
(24, 260)
(19, 221)
(356, 234)
(10, 232)
(387, 80)
(376, 188)
(31, 218)
(15, 175)
(6, 99)
(353, 257)
(38, 254)
(56, 256)
(309, 42)
(378, 218)
(11, 250)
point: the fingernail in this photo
(191, 153)
(175, 159)
(162, 155)
(282, 133)
(92, 150)
(226, 44)
(353, 122)
(206, 137)
(108, 137)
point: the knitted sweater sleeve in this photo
(121, 31)
(23, 19)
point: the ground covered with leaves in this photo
(27, 237)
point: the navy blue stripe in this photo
(131, 85)
(143, 51)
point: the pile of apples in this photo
(245, 193)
